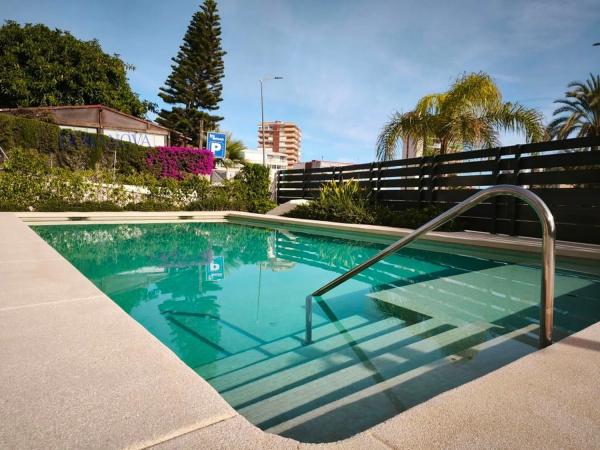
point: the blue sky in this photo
(347, 65)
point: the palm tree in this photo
(235, 151)
(579, 114)
(470, 113)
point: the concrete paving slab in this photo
(546, 400)
(12, 229)
(83, 374)
(362, 441)
(18, 242)
(27, 249)
(236, 433)
(31, 282)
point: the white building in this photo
(274, 160)
(320, 164)
(284, 137)
(414, 149)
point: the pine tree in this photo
(194, 86)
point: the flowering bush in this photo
(175, 162)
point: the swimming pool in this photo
(228, 299)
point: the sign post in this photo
(216, 143)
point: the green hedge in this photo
(27, 182)
(70, 149)
(28, 133)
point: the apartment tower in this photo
(281, 137)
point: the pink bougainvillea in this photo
(175, 162)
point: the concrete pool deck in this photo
(78, 372)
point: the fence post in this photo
(432, 179)
(371, 177)
(378, 184)
(332, 174)
(496, 174)
(514, 211)
(422, 167)
(304, 183)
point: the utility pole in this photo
(201, 134)
(262, 115)
(262, 122)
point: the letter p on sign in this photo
(217, 143)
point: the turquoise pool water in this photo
(228, 299)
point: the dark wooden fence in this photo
(565, 174)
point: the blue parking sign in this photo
(217, 143)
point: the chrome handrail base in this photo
(308, 327)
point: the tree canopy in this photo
(44, 67)
(194, 86)
(471, 113)
(579, 112)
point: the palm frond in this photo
(520, 119)
(580, 110)
(401, 126)
(474, 90)
(430, 104)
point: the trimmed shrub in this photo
(347, 202)
(219, 198)
(61, 205)
(251, 186)
(248, 191)
(71, 149)
(27, 161)
(150, 205)
(79, 150)
(28, 133)
(339, 202)
(175, 162)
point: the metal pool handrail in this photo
(548, 233)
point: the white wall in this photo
(144, 139)
(84, 129)
(272, 158)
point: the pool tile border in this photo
(67, 383)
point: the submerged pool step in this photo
(319, 351)
(277, 347)
(266, 406)
(458, 303)
(274, 377)
(381, 400)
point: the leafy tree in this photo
(579, 113)
(44, 67)
(252, 186)
(470, 113)
(194, 86)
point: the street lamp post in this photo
(262, 115)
